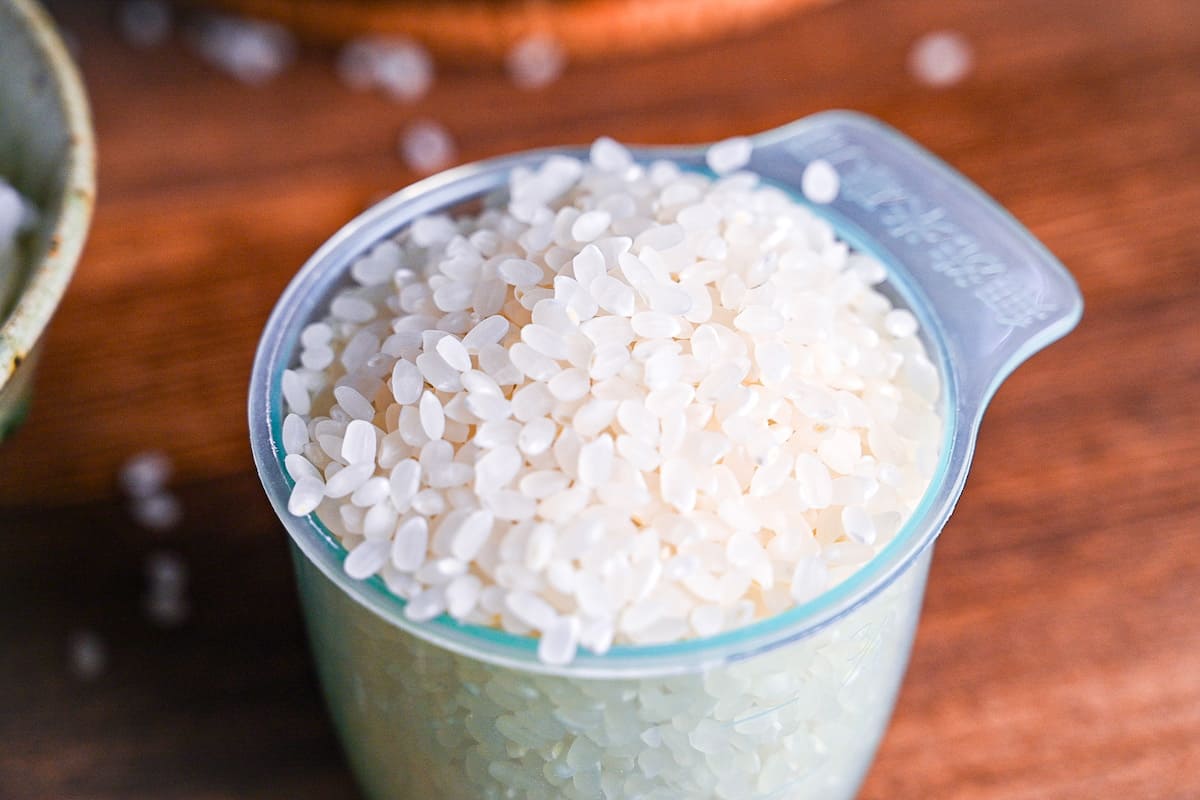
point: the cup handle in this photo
(979, 281)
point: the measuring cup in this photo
(791, 707)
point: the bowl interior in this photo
(46, 153)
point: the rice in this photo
(536, 61)
(625, 404)
(249, 50)
(820, 182)
(729, 155)
(426, 146)
(165, 601)
(143, 478)
(400, 67)
(87, 655)
(145, 474)
(941, 59)
(798, 722)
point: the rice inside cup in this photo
(622, 403)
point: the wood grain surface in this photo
(1059, 652)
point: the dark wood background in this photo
(1059, 653)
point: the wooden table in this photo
(1059, 653)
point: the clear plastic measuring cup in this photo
(791, 707)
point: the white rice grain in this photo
(729, 155)
(941, 59)
(426, 147)
(145, 474)
(559, 641)
(159, 512)
(536, 61)
(252, 51)
(87, 655)
(820, 182)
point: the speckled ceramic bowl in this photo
(47, 153)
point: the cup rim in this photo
(277, 350)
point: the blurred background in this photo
(150, 643)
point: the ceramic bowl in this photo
(47, 153)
